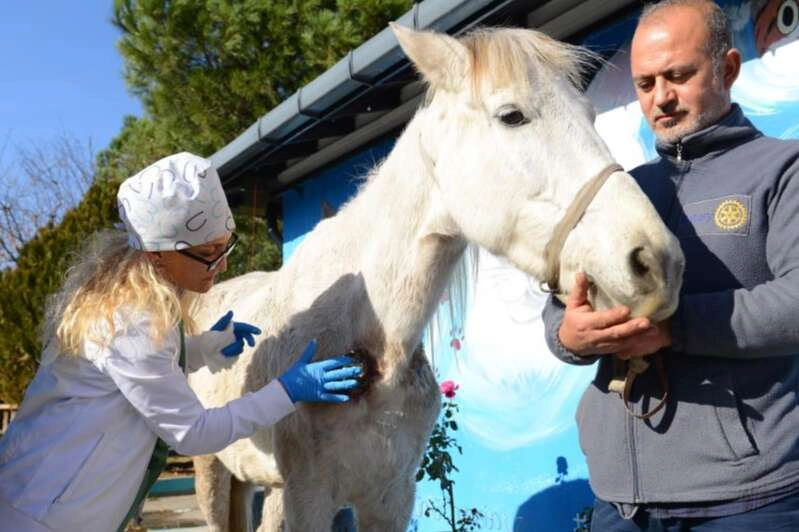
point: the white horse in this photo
(495, 157)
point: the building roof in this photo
(373, 92)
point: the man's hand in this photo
(585, 331)
(649, 341)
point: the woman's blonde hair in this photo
(107, 274)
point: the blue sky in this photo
(60, 73)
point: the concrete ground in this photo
(180, 513)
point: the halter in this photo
(574, 213)
(624, 371)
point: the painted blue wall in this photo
(302, 205)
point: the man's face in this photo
(674, 77)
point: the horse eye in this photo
(512, 117)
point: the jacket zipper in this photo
(670, 223)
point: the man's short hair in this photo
(718, 25)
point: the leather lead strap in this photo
(624, 374)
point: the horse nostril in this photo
(637, 262)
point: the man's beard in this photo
(671, 131)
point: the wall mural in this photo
(521, 463)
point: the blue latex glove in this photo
(311, 381)
(244, 332)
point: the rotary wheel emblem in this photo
(730, 214)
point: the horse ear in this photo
(441, 59)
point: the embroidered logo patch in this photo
(730, 215)
(727, 215)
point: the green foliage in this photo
(39, 272)
(255, 250)
(140, 143)
(207, 69)
(437, 465)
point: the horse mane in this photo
(500, 56)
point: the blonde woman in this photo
(90, 436)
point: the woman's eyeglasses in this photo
(214, 263)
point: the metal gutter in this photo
(374, 64)
(563, 18)
(362, 68)
(360, 137)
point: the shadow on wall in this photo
(555, 508)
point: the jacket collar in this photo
(732, 129)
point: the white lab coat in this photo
(76, 452)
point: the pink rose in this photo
(448, 389)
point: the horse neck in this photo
(399, 240)
(409, 258)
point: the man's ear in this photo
(731, 67)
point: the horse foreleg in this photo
(307, 505)
(392, 513)
(272, 513)
(241, 495)
(212, 488)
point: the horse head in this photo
(510, 144)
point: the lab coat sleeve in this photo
(151, 380)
